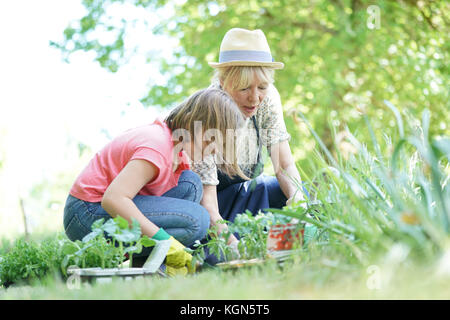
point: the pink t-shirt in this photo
(152, 142)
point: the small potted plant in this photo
(285, 236)
(105, 249)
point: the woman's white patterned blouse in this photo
(272, 130)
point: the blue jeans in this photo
(262, 193)
(178, 211)
(259, 194)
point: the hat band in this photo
(245, 55)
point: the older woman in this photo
(246, 71)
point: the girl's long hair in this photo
(218, 116)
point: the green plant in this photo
(97, 252)
(26, 261)
(107, 245)
(396, 193)
(252, 231)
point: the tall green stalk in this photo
(396, 195)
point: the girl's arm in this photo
(117, 199)
(209, 201)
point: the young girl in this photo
(144, 174)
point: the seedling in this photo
(252, 232)
(107, 245)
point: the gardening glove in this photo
(177, 257)
(172, 272)
(178, 261)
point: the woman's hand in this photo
(297, 198)
(232, 242)
(222, 229)
(286, 172)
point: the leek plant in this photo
(383, 195)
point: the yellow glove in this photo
(178, 261)
(176, 271)
(177, 257)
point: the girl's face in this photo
(195, 149)
(248, 99)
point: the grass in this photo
(396, 194)
(321, 279)
(383, 232)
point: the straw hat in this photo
(241, 47)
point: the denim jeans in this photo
(178, 211)
(260, 194)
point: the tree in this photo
(342, 57)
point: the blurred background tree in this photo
(342, 58)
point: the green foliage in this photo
(336, 63)
(94, 251)
(104, 247)
(396, 194)
(29, 260)
(378, 199)
(252, 231)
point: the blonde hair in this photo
(240, 77)
(215, 109)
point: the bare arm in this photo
(117, 199)
(209, 201)
(285, 170)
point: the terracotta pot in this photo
(284, 236)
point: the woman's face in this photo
(248, 99)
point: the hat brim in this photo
(272, 65)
